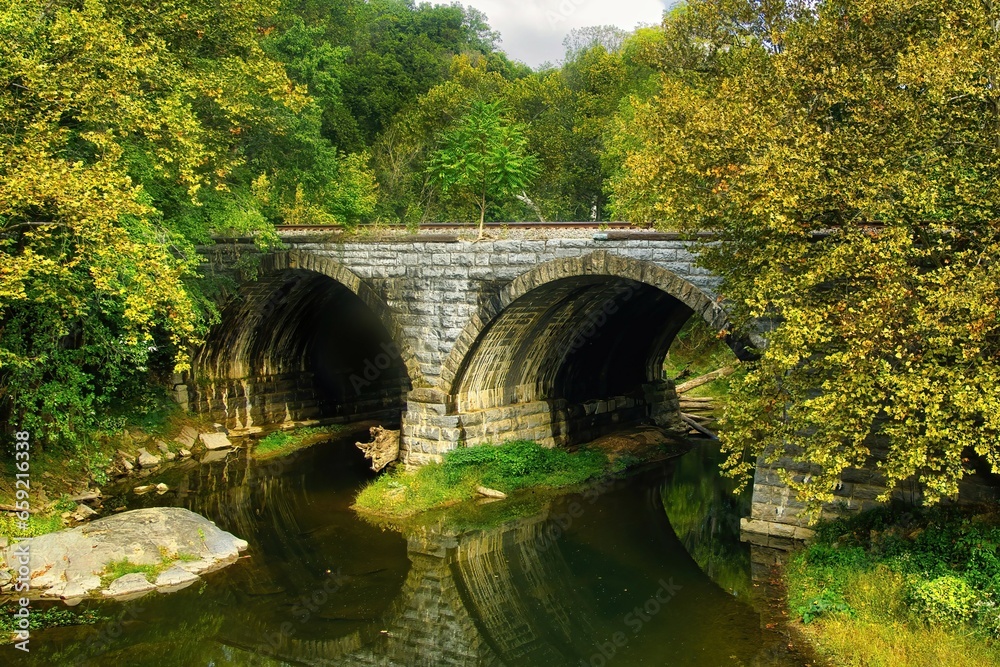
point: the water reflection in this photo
(598, 577)
(705, 514)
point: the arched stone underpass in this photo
(299, 344)
(565, 353)
(569, 361)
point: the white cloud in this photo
(533, 30)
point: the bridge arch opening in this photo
(299, 345)
(571, 351)
(570, 361)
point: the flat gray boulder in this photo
(173, 542)
(213, 441)
(147, 460)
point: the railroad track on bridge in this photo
(449, 232)
(444, 226)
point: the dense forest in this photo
(846, 150)
(132, 132)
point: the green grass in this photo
(698, 350)
(509, 467)
(37, 525)
(897, 586)
(119, 568)
(277, 443)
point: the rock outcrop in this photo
(171, 545)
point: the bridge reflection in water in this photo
(595, 578)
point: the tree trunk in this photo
(482, 215)
(705, 379)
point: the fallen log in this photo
(705, 379)
(490, 493)
(699, 428)
(697, 418)
(12, 508)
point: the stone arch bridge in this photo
(555, 334)
(558, 337)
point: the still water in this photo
(646, 570)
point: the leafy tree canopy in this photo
(483, 158)
(846, 153)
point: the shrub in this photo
(823, 604)
(947, 600)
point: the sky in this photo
(533, 30)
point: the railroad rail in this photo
(435, 226)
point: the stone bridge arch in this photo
(308, 339)
(599, 263)
(566, 352)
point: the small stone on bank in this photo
(187, 437)
(82, 512)
(214, 441)
(147, 460)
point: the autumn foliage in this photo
(847, 153)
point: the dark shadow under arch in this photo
(308, 340)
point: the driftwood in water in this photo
(383, 449)
(705, 379)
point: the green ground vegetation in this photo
(509, 467)
(698, 350)
(279, 443)
(120, 568)
(902, 586)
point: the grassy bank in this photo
(696, 351)
(897, 586)
(509, 467)
(61, 470)
(280, 443)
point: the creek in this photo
(642, 570)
